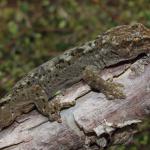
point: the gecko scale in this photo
(38, 87)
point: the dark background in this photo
(34, 31)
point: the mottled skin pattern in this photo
(41, 84)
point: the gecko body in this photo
(38, 87)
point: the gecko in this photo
(85, 62)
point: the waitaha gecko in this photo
(84, 62)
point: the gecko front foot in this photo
(111, 90)
(54, 111)
(55, 106)
(55, 117)
(49, 107)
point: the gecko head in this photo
(127, 41)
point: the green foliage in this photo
(32, 32)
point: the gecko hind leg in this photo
(112, 90)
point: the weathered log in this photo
(94, 121)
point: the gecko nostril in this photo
(43, 100)
(23, 94)
(28, 83)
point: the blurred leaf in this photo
(24, 7)
(45, 2)
(3, 3)
(38, 35)
(61, 46)
(62, 24)
(12, 27)
(19, 16)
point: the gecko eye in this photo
(37, 94)
(136, 26)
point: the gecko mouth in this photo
(128, 60)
